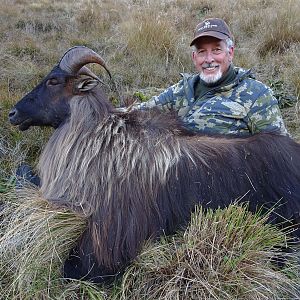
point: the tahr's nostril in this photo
(12, 113)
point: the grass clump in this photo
(35, 239)
(225, 254)
(281, 31)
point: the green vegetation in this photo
(146, 46)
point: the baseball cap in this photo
(212, 27)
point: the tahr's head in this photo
(48, 103)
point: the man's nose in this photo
(209, 57)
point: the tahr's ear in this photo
(84, 84)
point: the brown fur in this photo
(138, 174)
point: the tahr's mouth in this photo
(24, 125)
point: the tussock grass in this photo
(155, 40)
(35, 239)
(280, 30)
(222, 255)
(226, 254)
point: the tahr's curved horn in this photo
(75, 58)
(86, 71)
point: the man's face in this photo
(211, 58)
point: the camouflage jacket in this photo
(243, 107)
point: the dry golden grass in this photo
(281, 30)
(226, 254)
(146, 46)
(35, 239)
(146, 36)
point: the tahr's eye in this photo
(52, 81)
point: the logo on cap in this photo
(207, 25)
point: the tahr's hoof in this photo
(24, 174)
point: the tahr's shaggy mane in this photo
(138, 174)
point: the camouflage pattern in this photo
(243, 107)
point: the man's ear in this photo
(194, 57)
(84, 84)
(231, 53)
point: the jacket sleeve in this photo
(265, 115)
(166, 101)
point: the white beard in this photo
(211, 78)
